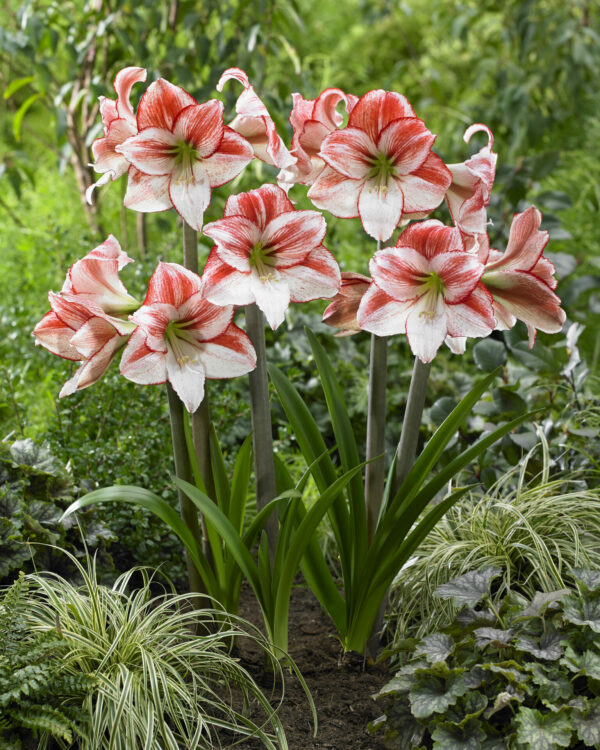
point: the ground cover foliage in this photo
(513, 672)
(526, 69)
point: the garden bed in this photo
(341, 692)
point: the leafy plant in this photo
(34, 490)
(147, 670)
(31, 675)
(516, 674)
(535, 530)
(368, 566)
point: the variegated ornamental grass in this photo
(163, 673)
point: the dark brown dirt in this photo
(341, 692)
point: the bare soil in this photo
(341, 689)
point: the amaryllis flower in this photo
(181, 151)
(341, 313)
(469, 194)
(183, 338)
(427, 287)
(312, 120)
(88, 318)
(521, 280)
(119, 123)
(267, 252)
(380, 166)
(254, 122)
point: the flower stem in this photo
(201, 417)
(375, 471)
(262, 434)
(183, 470)
(407, 447)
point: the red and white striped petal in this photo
(189, 191)
(326, 104)
(160, 105)
(55, 336)
(201, 125)
(229, 355)
(111, 250)
(376, 109)
(425, 188)
(186, 374)
(272, 296)
(545, 270)
(336, 193)
(93, 368)
(459, 272)
(123, 84)
(224, 285)
(312, 136)
(430, 238)
(235, 236)
(527, 298)
(317, 277)
(291, 236)
(526, 243)
(380, 314)
(350, 152)
(426, 326)
(233, 154)
(172, 284)
(260, 206)
(146, 193)
(143, 365)
(407, 143)
(474, 317)
(94, 334)
(106, 158)
(73, 312)
(204, 320)
(380, 208)
(399, 272)
(152, 151)
(153, 320)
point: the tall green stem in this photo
(407, 447)
(183, 470)
(375, 471)
(201, 417)
(262, 434)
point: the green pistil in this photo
(382, 169)
(259, 259)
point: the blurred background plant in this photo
(525, 68)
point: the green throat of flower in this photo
(185, 156)
(432, 289)
(382, 170)
(262, 263)
(175, 334)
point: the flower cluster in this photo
(437, 284)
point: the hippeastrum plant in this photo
(437, 284)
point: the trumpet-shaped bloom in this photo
(268, 253)
(427, 287)
(183, 338)
(521, 280)
(312, 120)
(469, 194)
(119, 123)
(380, 167)
(181, 151)
(87, 321)
(254, 122)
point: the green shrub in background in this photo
(520, 673)
(35, 489)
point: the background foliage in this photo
(527, 68)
